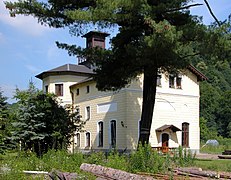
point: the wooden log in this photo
(110, 173)
(200, 173)
(35, 172)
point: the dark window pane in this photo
(88, 140)
(59, 89)
(185, 134)
(101, 134)
(113, 133)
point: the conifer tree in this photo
(4, 119)
(152, 36)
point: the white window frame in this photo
(98, 133)
(86, 113)
(76, 140)
(86, 139)
(109, 133)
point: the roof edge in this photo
(199, 74)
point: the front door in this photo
(165, 138)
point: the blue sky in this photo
(28, 48)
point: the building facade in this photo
(113, 118)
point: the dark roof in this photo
(83, 81)
(199, 74)
(66, 70)
(97, 33)
(164, 127)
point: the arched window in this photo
(88, 139)
(113, 133)
(100, 134)
(185, 134)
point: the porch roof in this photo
(171, 127)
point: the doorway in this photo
(165, 139)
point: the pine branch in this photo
(211, 12)
(185, 7)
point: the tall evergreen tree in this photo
(152, 36)
(4, 120)
(41, 122)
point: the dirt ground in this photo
(206, 156)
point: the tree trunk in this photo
(149, 94)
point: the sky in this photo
(28, 48)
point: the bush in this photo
(98, 158)
(117, 161)
(146, 160)
(183, 157)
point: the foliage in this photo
(59, 160)
(206, 131)
(146, 160)
(96, 158)
(118, 161)
(4, 124)
(143, 160)
(41, 122)
(214, 165)
(224, 144)
(183, 157)
(147, 30)
(223, 115)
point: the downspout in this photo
(72, 111)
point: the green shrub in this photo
(146, 160)
(96, 158)
(183, 157)
(117, 161)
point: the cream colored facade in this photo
(66, 81)
(172, 107)
(112, 118)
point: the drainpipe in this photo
(72, 110)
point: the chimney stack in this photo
(93, 39)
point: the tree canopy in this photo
(4, 120)
(152, 36)
(41, 122)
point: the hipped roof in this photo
(67, 69)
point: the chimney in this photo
(93, 39)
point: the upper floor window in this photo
(171, 81)
(88, 112)
(88, 89)
(178, 81)
(185, 134)
(113, 133)
(88, 139)
(77, 91)
(46, 89)
(158, 80)
(175, 81)
(59, 89)
(100, 133)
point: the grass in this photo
(213, 149)
(144, 160)
(214, 165)
(224, 144)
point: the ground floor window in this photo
(185, 134)
(113, 133)
(100, 140)
(78, 139)
(88, 139)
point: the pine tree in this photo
(4, 118)
(152, 36)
